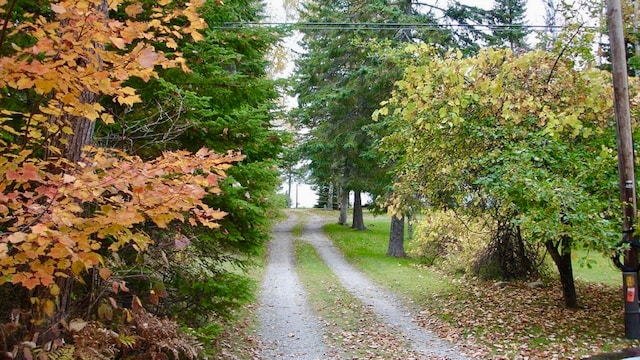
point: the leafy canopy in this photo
(528, 134)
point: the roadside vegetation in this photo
(494, 319)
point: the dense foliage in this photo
(147, 219)
(500, 133)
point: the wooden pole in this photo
(625, 166)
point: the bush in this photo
(448, 241)
(508, 256)
(281, 201)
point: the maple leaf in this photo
(39, 229)
(147, 57)
(26, 279)
(58, 9)
(105, 273)
(118, 42)
(133, 10)
(16, 237)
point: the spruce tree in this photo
(507, 19)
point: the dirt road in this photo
(289, 328)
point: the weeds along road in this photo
(289, 327)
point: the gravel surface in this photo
(289, 328)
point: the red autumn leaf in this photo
(30, 172)
(212, 179)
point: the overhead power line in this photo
(383, 26)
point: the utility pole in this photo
(626, 169)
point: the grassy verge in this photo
(367, 251)
(495, 322)
(593, 267)
(352, 331)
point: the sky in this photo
(302, 194)
(535, 9)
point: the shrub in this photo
(449, 241)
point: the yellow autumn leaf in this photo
(54, 290)
(77, 267)
(44, 86)
(129, 100)
(171, 43)
(58, 9)
(48, 307)
(133, 10)
(24, 83)
(118, 42)
(107, 118)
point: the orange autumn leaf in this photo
(118, 42)
(105, 273)
(133, 10)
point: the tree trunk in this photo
(561, 255)
(358, 219)
(289, 198)
(409, 225)
(344, 206)
(330, 197)
(396, 237)
(82, 132)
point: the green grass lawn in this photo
(600, 268)
(367, 250)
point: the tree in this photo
(225, 102)
(515, 138)
(340, 79)
(396, 237)
(69, 210)
(507, 19)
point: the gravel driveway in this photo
(290, 330)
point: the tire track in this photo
(387, 306)
(289, 329)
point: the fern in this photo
(94, 342)
(66, 352)
(161, 337)
(127, 340)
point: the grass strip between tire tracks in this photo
(352, 329)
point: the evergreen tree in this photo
(226, 103)
(507, 19)
(341, 78)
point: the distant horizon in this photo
(308, 198)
